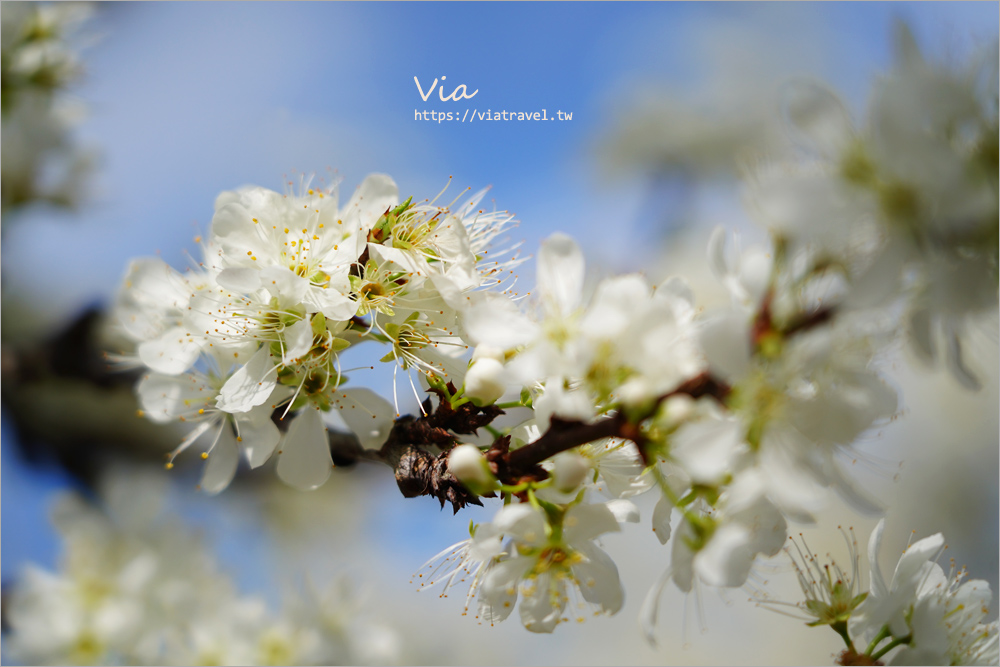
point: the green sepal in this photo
(526, 398)
(319, 324)
(338, 344)
(402, 207)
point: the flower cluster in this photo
(739, 419)
(548, 559)
(40, 161)
(287, 282)
(136, 589)
(931, 617)
(906, 201)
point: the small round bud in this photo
(470, 467)
(569, 469)
(484, 382)
(485, 351)
(677, 409)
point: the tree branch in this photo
(564, 435)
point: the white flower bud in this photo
(484, 382)
(677, 409)
(486, 351)
(470, 467)
(636, 391)
(569, 469)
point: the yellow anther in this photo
(140, 413)
(169, 465)
(286, 230)
(201, 411)
(315, 238)
(204, 455)
(311, 192)
(254, 220)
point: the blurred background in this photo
(669, 103)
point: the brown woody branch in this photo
(564, 435)
(418, 471)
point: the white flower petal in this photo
(284, 283)
(298, 340)
(498, 593)
(820, 119)
(250, 386)
(369, 416)
(879, 283)
(725, 339)
(165, 397)
(522, 522)
(495, 320)
(542, 602)
(661, 519)
(598, 580)
(304, 459)
(682, 558)
(244, 280)
(878, 584)
(223, 459)
(585, 522)
(560, 273)
(334, 304)
(913, 559)
(376, 194)
(726, 559)
(174, 352)
(260, 435)
(651, 606)
(624, 511)
(706, 449)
